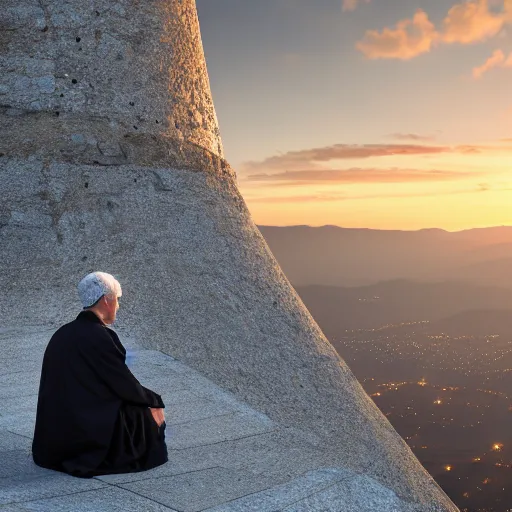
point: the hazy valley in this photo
(424, 320)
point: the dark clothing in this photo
(93, 415)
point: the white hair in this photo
(96, 284)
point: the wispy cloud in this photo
(412, 136)
(351, 5)
(360, 175)
(298, 199)
(496, 60)
(465, 23)
(315, 166)
(311, 158)
(346, 197)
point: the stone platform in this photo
(223, 455)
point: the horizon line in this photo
(379, 229)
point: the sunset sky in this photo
(388, 114)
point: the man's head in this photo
(99, 292)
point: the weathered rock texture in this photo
(111, 160)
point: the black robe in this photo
(93, 415)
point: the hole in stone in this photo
(132, 103)
(95, 162)
(78, 39)
(134, 180)
(136, 127)
(86, 184)
(62, 95)
(74, 81)
(157, 121)
(84, 258)
(45, 29)
(97, 13)
(57, 113)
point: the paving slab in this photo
(275, 499)
(270, 453)
(215, 430)
(109, 499)
(19, 383)
(19, 464)
(10, 441)
(18, 507)
(185, 412)
(26, 487)
(21, 423)
(197, 490)
(13, 405)
(360, 493)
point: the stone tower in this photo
(111, 159)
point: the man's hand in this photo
(158, 415)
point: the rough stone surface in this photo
(107, 82)
(90, 181)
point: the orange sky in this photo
(397, 186)
(361, 113)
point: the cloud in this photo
(468, 22)
(411, 136)
(297, 199)
(407, 40)
(313, 158)
(311, 166)
(472, 22)
(351, 5)
(496, 60)
(322, 198)
(360, 175)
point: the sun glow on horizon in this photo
(469, 189)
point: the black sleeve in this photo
(157, 399)
(108, 362)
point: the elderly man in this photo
(93, 415)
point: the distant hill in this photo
(331, 255)
(475, 323)
(394, 302)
